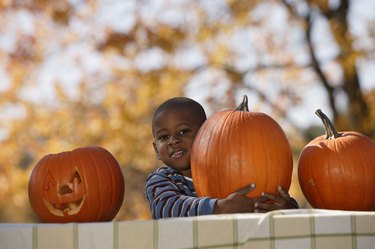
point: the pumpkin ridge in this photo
(101, 207)
(367, 175)
(220, 164)
(108, 170)
(113, 185)
(224, 164)
(108, 161)
(240, 118)
(97, 163)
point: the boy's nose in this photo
(174, 140)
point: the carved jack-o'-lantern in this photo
(82, 185)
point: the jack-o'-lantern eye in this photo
(75, 179)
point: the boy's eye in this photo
(163, 137)
(183, 131)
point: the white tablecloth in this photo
(303, 228)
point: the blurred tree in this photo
(107, 108)
(347, 58)
(293, 44)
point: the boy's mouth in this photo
(177, 153)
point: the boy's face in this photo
(174, 131)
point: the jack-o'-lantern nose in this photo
(65, 189)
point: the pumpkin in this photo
(82, 185)
(337, 170)
(234, 148)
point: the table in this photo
(302, 228)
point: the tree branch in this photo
(315, 64)
(317, 68)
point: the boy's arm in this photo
(167, 200)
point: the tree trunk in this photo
(358, 110)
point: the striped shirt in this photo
(170, 194)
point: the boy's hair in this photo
(181, 102)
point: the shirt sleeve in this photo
(294, 202)
(166, 200)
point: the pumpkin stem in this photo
(331, 132)
(244, 106)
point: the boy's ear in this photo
(156, 150)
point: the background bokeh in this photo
(85, 72)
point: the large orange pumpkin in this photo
(234, 148)
(337, 170)
(82, 185)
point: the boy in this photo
(170, 190)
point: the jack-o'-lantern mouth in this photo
(66, 208)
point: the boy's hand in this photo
(238, 202)
(282, 201)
